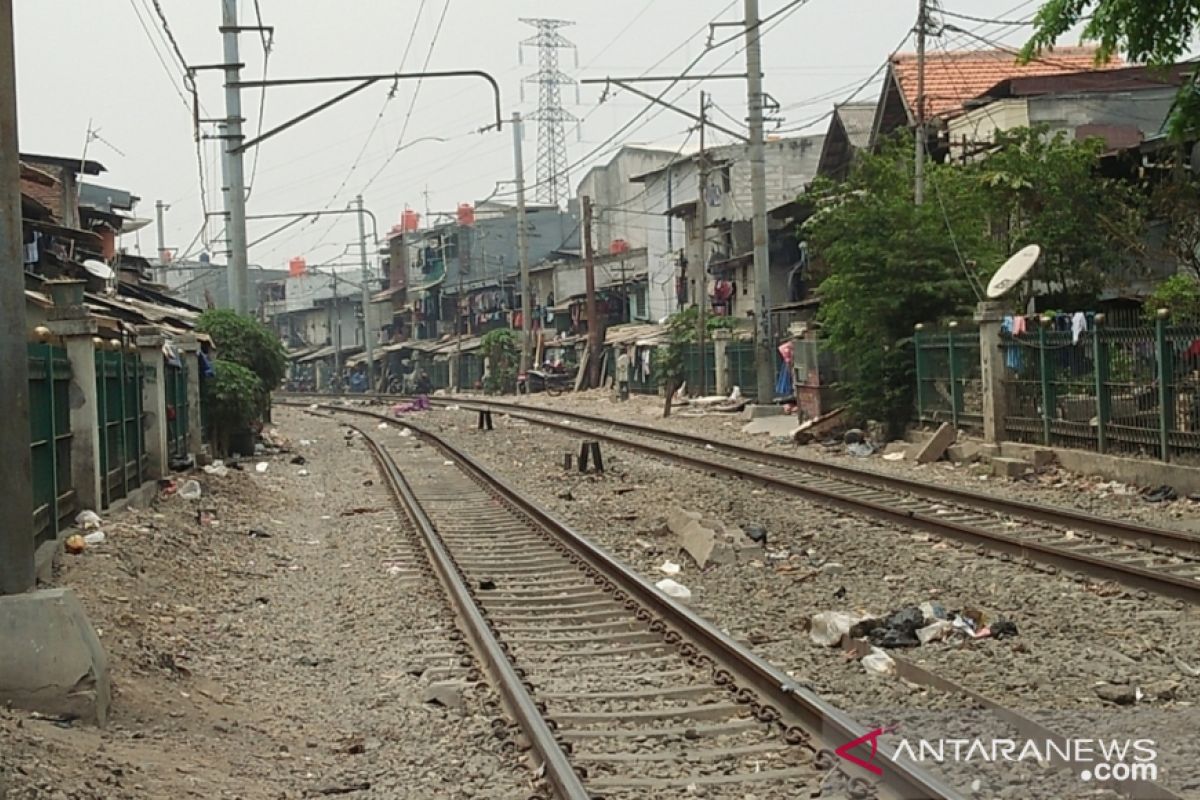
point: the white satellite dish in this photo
(99, 269)
(1013, 271)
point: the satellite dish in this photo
(1013, 271)
(99, 269)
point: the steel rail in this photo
(521, 705)
(784, 698)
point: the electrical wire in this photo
(267, 46)
(969, 18)
(161, 58)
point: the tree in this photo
(1180, 294)
(669, 363)
(1044, 190)
(1154, 32)
(890, 265)
(231, 397)
(500, 349)
(1175, 202)
(245, 341)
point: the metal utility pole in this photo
(460, 324)
(16, 472)
(163, 254)
(701, 268)
(593, 314)
(235, 183)
(522, 246)
(764, 352)
(919, 167)
(366, 294)
(337, 332)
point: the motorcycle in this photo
(536, 380)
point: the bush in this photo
(245, 341)
(232, 399)
(500, 348)
(1179, 293)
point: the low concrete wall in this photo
(1135, 471)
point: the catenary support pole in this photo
(701, 269)
(919, 165)
(16, 473)
(522, 246)
(235, 184)
(593, 314)
(163, 255)
(368, 331)
(764, 352)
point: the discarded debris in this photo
(879, 663)
(828, 627)
(75, 544)
(669, 568)
(88, 520)
(487, 584)
(191, 490)
(217, 469)
(1117, 695)
(259, 533)
(937, 445)
(303, 473)
(299, 460)
(95, 537)
(444, 694)
(755, 533)
(672, 589)
(1163, 494)
(861, 449)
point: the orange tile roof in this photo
(952, 78)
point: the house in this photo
(849, 133)
(627, 223)
(727, 244)
(466, 277)
(954, 78)
(1124, 107)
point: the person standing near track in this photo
(623, 375)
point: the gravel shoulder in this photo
(1051, 486)
(1074, 638)
(283, 665)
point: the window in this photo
(726, 180)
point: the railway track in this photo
(620, 691)
(1149, 559)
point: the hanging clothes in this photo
(1018, 325)
(1013, 357)
(1079, 326)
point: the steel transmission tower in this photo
(553, 182)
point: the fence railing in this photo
(743, 370)
(949, 385)
(54, 501)
(119, 384)
(178, 411)
(1115, 390)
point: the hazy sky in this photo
(81, 60)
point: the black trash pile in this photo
(914, 626)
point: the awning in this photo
(387, 294)
(78, 235)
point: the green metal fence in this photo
(470, 370)
(743, 371)
(1115, 390)
(949, 385)
(119, 385)
(54, 502)
(697, 382)
(178, 411)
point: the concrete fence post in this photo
(189, 345)
(990, 316)
(80, 341)
(721, 340)
(154, 401)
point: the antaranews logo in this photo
(1117, 760)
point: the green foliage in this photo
(1155, 32)
(1179, 293)
(891, 264)
(1040, 189)
(1176, 203)
(246, 341)
(500, 348)
(232, 400)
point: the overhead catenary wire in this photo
(268, 42)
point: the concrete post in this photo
(990, 314)
(455, 365)
(80, 341)
(721, 340)
(189, 346)
(154, 401)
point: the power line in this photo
(161, 59)
(267, 46)
(969, 18)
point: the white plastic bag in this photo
(828, 627)
(191, 490)
(95, 537)
(669, 568)
(879, 663)
(672, 589)
(87, 520)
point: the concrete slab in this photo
(963, 453)
(1040, 458)
(52, 661)
(752, 412)
(1009, 467)
(935, 448)
(989, 451)
(780, 425)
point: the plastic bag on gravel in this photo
(672, 589)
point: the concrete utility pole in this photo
(366, 293)
(764, 351)
(235, 175)
(163, 254)
(522, 247)
(16, 472)
(919, 167)
(593, 314)
(701, 268)
(460, 323)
